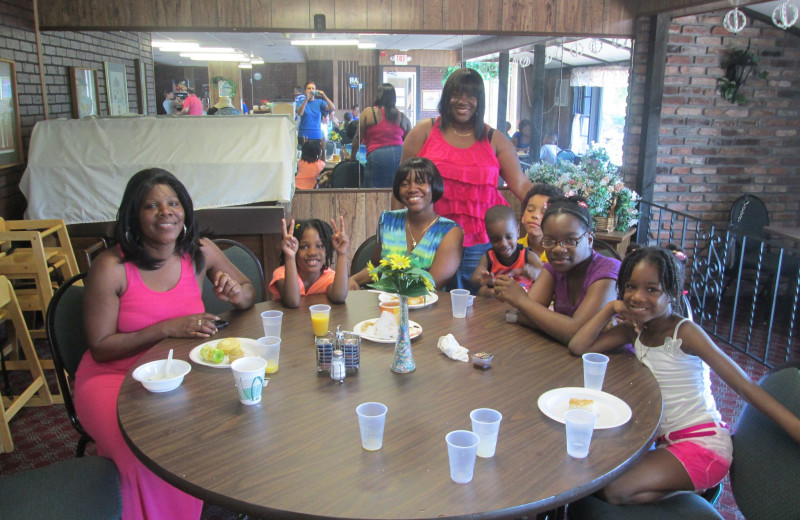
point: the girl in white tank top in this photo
(693, 447)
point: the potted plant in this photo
(738, 65)
(400, 275)
(611, 203)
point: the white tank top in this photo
(685, 383)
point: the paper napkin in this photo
(450, 347)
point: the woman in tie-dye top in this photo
(434, 242)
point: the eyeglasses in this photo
(568, 242)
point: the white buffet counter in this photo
(77, 169)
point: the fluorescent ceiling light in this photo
(245, 66)
(221, 50)
(257, 61)
(176, 46)
(367, 45)
(352, 42)
(201, 56)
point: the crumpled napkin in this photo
(450, 347)
(385, 327)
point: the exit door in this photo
(405, 86)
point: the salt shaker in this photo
(338, 371)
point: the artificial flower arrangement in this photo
(399, 274)
(598, 181)
(334, 136)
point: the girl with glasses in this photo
(578, 281)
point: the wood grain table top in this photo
(298, 453)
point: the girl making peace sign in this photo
(306, 257)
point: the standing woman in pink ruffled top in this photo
(471, 157)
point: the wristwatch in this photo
(512, 316)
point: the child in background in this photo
(693, 448)
(577, 280)
(507, 256)
(306, 256)
(309, 166)
(533, 207)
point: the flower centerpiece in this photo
(611, 203)
(400, 275)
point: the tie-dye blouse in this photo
(392, 234)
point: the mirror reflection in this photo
(583, 97)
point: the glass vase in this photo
(403, 357)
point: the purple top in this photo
(599, 267)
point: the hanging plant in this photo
(487, 70)
(229, 84)
(738, 65)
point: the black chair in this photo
(64, 323)
(764, 474)
(247, 263)
(565, 155)
(363, 254)
(347, 174)
(605, 249)
(73, 489)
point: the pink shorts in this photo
(705, 450)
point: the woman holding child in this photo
(471, 158)
(576, 279)
(432, 241)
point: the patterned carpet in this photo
(44, 435)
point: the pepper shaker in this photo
(338, 371)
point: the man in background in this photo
(192, 105)
(171, 105)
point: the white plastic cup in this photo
(579, 426)
(594, 370)
(459, 298)
(271, 320)
(269, 348)
(248, 372)
(486, 423)
(371, 422)
(462, 447)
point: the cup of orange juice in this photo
(320, 315)
(392, 306)
(269, 348)
(336, 157)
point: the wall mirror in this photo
(584, 95)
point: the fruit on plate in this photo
(211, 354)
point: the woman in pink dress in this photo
(147, 289)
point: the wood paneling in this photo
(173, 13)
(352, 13)
(490, 15)
(260, 13)
(229, 70)
(433, 15)
(379, 15)
(460, 15)
(406, 14)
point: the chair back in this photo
(64, 322)
(364, 254)
(246, 262)
(565, 155)
(347, 174)
(605, 249)
(764, 475)
(749, 215)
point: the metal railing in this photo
(744, 288)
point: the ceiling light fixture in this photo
(352, 42)
(257, 61)
(367, 45)
(210, 56)
(175, 46)
(245, 65)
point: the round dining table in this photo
(298, 453)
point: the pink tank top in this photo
(385, 133)
(140, 306)
(470, 183)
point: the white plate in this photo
(248, 345)
(429, 299)
(414, 330)
(611, 410)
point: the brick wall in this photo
(711, 151)
(60, 51)
(277, 82)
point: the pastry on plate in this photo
(582, 404)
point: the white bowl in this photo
(151, 374)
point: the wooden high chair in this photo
(31, 252)
(37, 392)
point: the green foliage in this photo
(597, 180)
(216, 79)
(738, 65)
(399, 274)
(487, 70)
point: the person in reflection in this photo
(434, 242)
(522, 137)
(693, 448)
(313, 107)
(309, 166)
(172, 106)
(471, 158)
(383, 128)
(192, 105)
(146, 289)
(507, 256)
(306, 257)
(550, 149)
(577, 280)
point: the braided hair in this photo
(325, 235)
(574, 205)
(670, 272)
